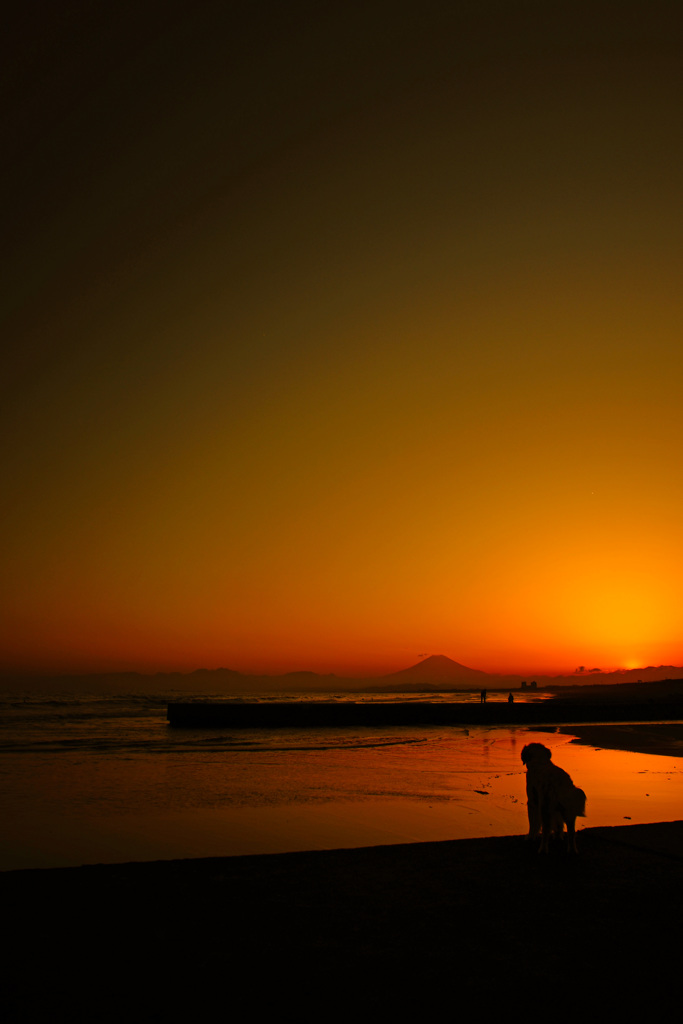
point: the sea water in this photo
(103, 779)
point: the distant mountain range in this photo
(436, 672)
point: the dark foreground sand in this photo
(463, 928)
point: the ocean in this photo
(87, 778)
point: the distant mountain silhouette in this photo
(440, 670)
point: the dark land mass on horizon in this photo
(436, 673)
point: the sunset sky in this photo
(337, 334)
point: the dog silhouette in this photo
(553, 800)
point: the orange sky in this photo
(337, 337)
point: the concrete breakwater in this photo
(341, 714)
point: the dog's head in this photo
(535, 753)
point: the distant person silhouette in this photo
(510, 698)
(482, 697)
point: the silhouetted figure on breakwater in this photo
(482, 697)
(511, 699)
(552, 798)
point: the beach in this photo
(406, 927)
(340, 427)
